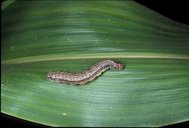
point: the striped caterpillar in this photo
(85, 76)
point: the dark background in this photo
(174, 9)
(177, 10)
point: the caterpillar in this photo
(85, 76)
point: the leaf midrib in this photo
(117, 55)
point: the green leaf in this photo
(43, 36)
(6, 3)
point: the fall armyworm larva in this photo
(85, 76)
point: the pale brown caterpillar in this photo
(85, 76)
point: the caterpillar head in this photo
(118, 66)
